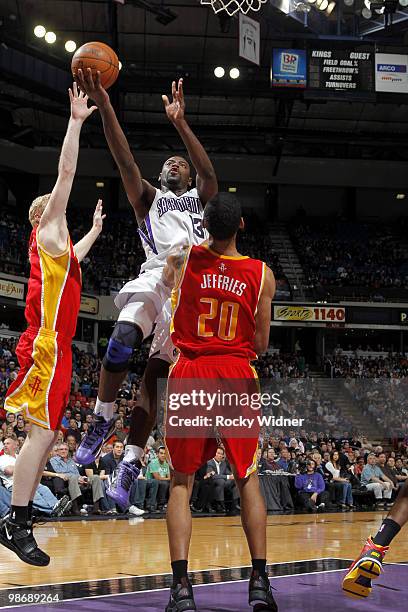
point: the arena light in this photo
(322, 4)
(234, 73)
(40, 31)
(366, 13)
(403, 2)
(232, 190)
(219, 72)
(311, 1)
(70, 46)
(349, 2)
(330, 8)
(100, 184)
(50, 37)
(400, 196)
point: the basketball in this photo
(97, 56)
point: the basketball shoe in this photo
(19, 538)
(367, 567)
(97, 435)
(120, 486)
(181, 597)
(260, 593)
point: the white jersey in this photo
(171, 221)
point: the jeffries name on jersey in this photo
(222, 282)
(215, 304)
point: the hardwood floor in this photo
(90, 550)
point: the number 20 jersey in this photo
(215, 303)
(172, 220)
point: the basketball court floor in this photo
(118, 565)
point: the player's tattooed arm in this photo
(263, 315)
(174, 266)
(140, 192)
(206, 180)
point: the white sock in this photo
(104, 409)
(133, 453)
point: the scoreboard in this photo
(324, 70)
(339, 70)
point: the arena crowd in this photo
(330, 468)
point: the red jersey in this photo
(54, 289)
(215, 303)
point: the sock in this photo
(19, 514)
(133, 453)
(259, 565)
(104, 409)
(386, 533)
(30, 510)
(179, 570)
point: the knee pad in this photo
(125, 338)
(141, 314)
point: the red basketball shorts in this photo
(187, 453)
(41, 389)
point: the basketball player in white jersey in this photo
(166, 217)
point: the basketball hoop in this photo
(234, 6)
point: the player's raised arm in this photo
(52, 229)
(83, 246)
(207, 184)
(263, 315)
(140, 192)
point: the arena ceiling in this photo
(242, 116)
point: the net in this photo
(234, 6)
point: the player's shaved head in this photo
(222, 216)
(175, 173)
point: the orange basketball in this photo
(97, 56)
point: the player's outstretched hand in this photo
(98, 217)
(175, 109)
(79, 104)
(92, 86)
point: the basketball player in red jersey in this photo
(221, 321)
(41, 390)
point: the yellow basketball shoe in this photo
(367, 567)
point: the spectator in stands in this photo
(95, 468)
(400, 471)
(390, 471)
(223, 482)
(44, 501)
(19, 427)
(73, 430)
(72, 445)
(159, 469)
(202, 494)
(311, 488)
(285, 463)
(269, 464)
(341, 483)
(77, 484)
(111, 460)
(66, 418)
(358, 468)
(143, 490)
(119, 432)
(374, 480)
